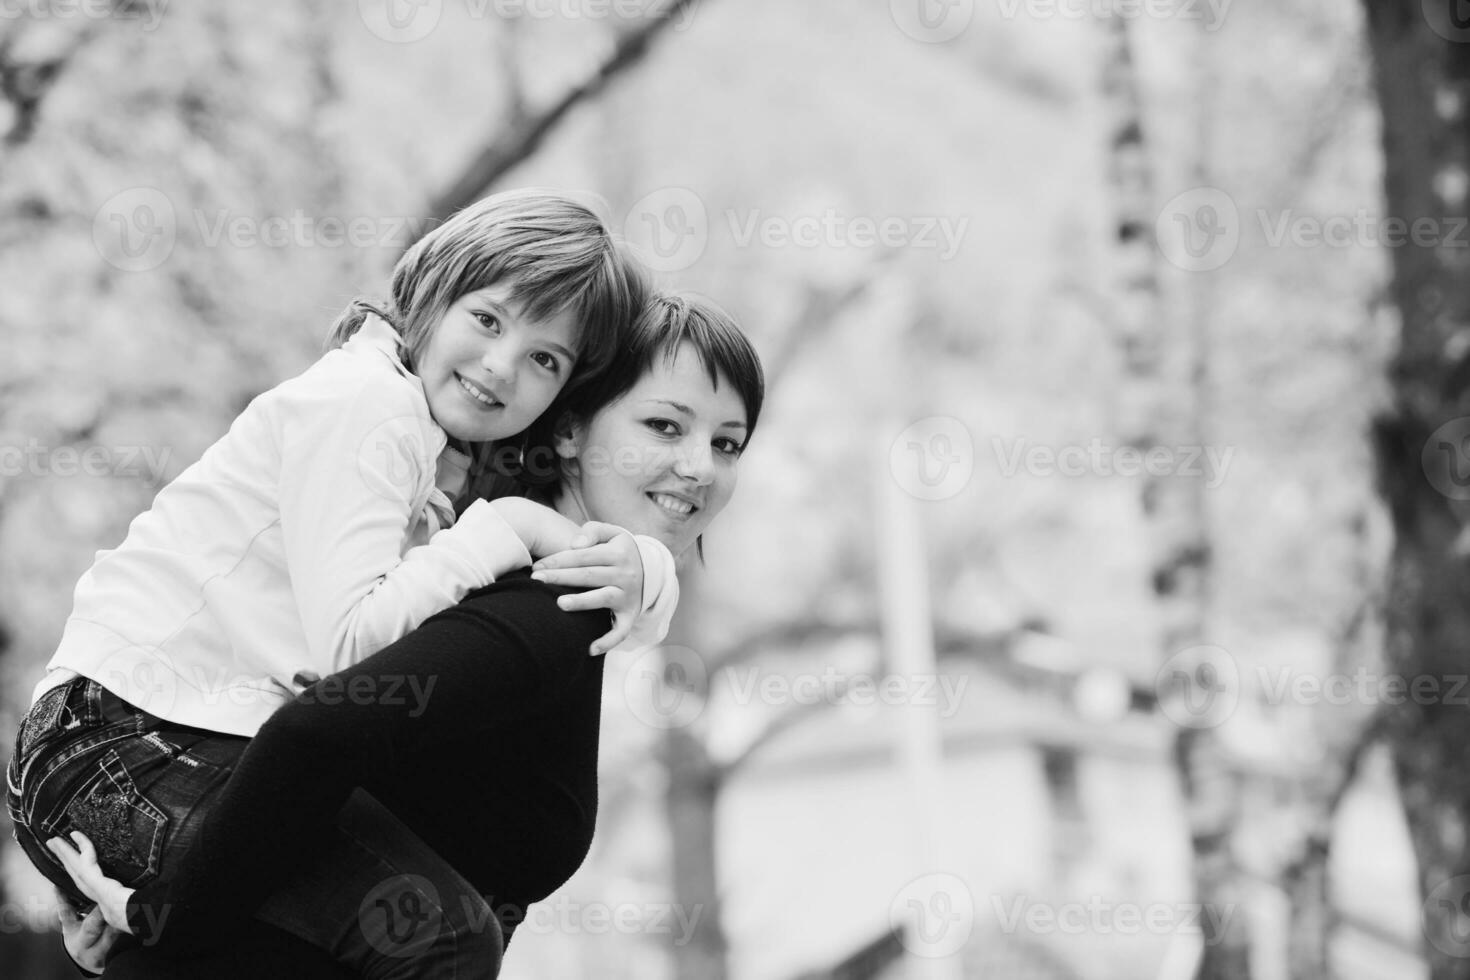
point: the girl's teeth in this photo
(673, 504)
(475, 393)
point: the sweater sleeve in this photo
(352, 467)
(499, 656)
(660, 596)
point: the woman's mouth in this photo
(481, 397)
(671, 505)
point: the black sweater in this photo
(496, 768)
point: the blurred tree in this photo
(1164, 381)
(1423, 80)
(518, 137)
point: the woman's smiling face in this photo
(662, 460)
(488, 371)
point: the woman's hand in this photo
(88, 938)
(80, 862)
(606, 560)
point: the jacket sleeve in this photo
(353, 469)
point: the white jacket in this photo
(317, 531)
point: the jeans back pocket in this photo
(43, 720)
(124, 826)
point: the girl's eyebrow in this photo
(505, 313)
(685, 409)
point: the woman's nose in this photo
(695, 463)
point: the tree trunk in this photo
(693, 791)
(1422, 63)
(1163, 395)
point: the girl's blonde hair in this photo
(553, 252)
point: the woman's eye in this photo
(729, 447)
(663, 426)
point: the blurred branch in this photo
(510, 72)
(947, 642)
(788, 719)
(525, 136)
(787, 635)
(821, 308)
(25, 83)
(1346, 91)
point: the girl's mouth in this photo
(475, 392)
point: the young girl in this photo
(322, 527)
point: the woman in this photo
(495, 770)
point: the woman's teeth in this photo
(476, 393)
(673, 505)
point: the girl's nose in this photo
(499, 361)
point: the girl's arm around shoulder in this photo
(357, 465)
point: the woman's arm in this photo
(499, 656)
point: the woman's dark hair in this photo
(666, 323)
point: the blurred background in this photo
(1092, 604)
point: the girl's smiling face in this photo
(662, 460)
(488, 372)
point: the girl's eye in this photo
(548, 361)
(487, 320)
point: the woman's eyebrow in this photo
(685, 409)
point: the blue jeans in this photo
(376, 897)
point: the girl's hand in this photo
(88, 938)
(80, 862)
(606, 560)
(542, 530)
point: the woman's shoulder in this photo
(519, 602)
